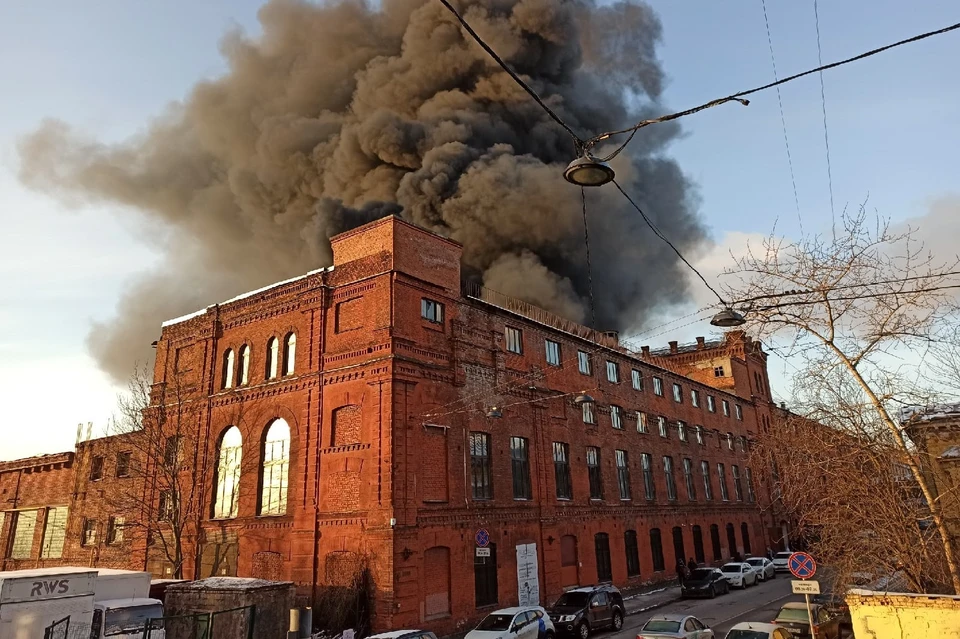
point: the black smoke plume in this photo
(343, 112)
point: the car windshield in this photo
(701, 573)
(743, 633)
(755, 562)
(731, 568)
(793, 614)
(784, 555)
(573, 599)
(661, 625)
(496, 622)
(123, 621)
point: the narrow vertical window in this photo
(227, 491)
(751, 496)
(594, 472)
(602, 546)
(738, 411)
(514, 340)
(613, 372)
(662, 425)
(88, 534)
(715, 542)
(695, 398)
(699, 431)
(726, 407)
(273, 355)
(289, 353)
(711, 403)
(731, 539)
(561, 470)
(698, 545)
(649, 488)
(707, 484)
(583, 363)
(668, 475)
(552, 352)
(678, 393)
(276, 469)
(688, 479)
(737, 486)
(682, 430)
(623, 474)
(96, 468)
(656, 549)
(480, 466)
(632, 552)
(615, 418)
(520, 468)
(636, 379)
(658, 386)
(54, 533)
(227, 375)
(115, 530)
(123, 464)
(722, 477)
(642, 422)
(244, 365)
(587, 408)
(745, 537)
(729, 441)
(485, 579)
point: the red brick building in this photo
(375, 414)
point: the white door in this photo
(528, 575)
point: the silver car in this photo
(675, 627)
(764, 567)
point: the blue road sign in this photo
(483, 538)
(802, 565)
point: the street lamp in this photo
(583, 398)
(728, 318)
(494, 412)
(588, 171)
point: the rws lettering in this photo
(57, 586)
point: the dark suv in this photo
(580, 611)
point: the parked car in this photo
(405, 634)
(793, 617)
(705, 582)
(674, 627)
(739, 574)
(764, 566)
(780, 561)
(758, 630)
(580, 611)
(518, 622)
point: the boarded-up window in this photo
(568, 561)
(54, 533)
(349, 315)
(345, 425)
(343, 568)
(267, 565)
(433, 484)
(436, 572)
(219, 555)
(26, 524)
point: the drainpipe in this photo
(319, 441)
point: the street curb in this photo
(661, 604)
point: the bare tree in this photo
(864, 305)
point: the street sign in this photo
(483, 538)
(485, 552)
(802, 565)
(805, 587)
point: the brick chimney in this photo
(673, 346)
(701, 343)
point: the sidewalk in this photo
(640, 602)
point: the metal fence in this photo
(234, 623)
(58, 629)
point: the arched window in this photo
(289, 353)
(731, 540)
(745, 536)
(228, 368)
(244, 365)
(633, 553)
(601, 544)
(273, 355)
(276, 466)
(656, 549)
(228, 474)
(715, 542)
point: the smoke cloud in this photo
(341, 113)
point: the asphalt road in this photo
(756, 603)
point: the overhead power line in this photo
(855, 297)
(826, 136)
(897, 280)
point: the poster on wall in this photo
(528, 575)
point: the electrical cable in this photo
(826, 136)
(898, 280)
(738, 97)
(533, 94)
(783, 119)
(656, 231)
(854, 297)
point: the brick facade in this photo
(384, 407)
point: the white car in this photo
(764, 566)
(519, 622)
(758, 630)
(405, 634)
(674, 627)
(739, 574)
(780, 561)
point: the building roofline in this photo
(395, 218)
(37, 461)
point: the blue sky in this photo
(108, 67)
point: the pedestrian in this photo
(769, 553)
(737, 558)
(691, 565)
(681, 570)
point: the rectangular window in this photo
(520, 463)
(171, 451)
(668, 474)
(662, 425)
(615, 418)
(751, 497)
(688, 479)
(642, 422)
(722, 477)
(699, 431)
(583, 363)
(718, 371)
(24, 526)
(729, 441)
(88, 536)
(633, 553)
(594, 472)
(561, 470)
(682, 430)
(737, 486)
(707, 485)
(658, 386)
(711, 404)
(656, 550)
(481, 472)
(165, 507)
(553, 352)
(695, 398)
(613, 372)
(96, 468)
(115, 530)
(623, 474)
(514, 339)
(636, 379)
(738, 411)
(54, 533)
(431, 310)
(588, 417)
(726, 408)
(649, 488)
(123, 464)
(485, 579)
(601, 546)
(678, 393)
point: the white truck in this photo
(98, 602)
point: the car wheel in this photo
(617, 620)
(713, 592)
(549, 635)
(583, 630)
